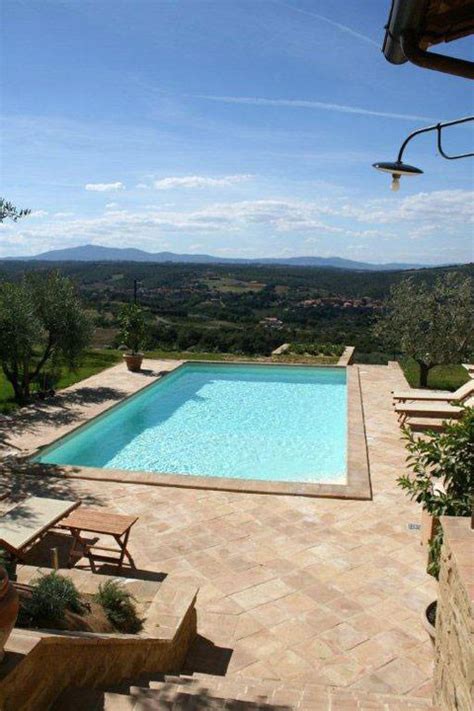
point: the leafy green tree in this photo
(133, 329)
(432, 324)
(8, 210)
(42, 325)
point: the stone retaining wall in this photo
(454, 664)
(64, 660)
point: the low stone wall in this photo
(347, 356)
(281, 349)
(454, 662)
(64, 660)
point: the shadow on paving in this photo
(40, 555)
(205, 657)
(60, 410)
(126, 572)
(20, 478)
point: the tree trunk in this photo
(19, 391)
(424, 370)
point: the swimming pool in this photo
(259, 422)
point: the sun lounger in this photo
(426, 424)
(428, 409)
(29, 521)
(458, 395)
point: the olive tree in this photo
(42, 325)
(430, 323)
(8, 210)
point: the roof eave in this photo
(404, 16)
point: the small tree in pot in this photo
(133, 334)
(442, 477)
(9, 602)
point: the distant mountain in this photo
(96, 253)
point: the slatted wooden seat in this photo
(424, 409)
(104, 523)
(29, 521)
(459, 395)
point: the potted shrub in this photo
(9, 605)
(442, 481)
(133, 334)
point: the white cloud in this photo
(38, 213)
(337, 25)
(199, 181)
(104, 187)
(445, 206)
(307, 104)
(266, 223)
(111, 205)
(62, 215)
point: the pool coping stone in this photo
(357, 486)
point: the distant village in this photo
(365, 302)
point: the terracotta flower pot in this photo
(426, 621)
(9, 606)
(133, 361)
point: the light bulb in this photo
(395, 183)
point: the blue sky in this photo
(231, 127)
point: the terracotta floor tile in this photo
(316, 650)
(261, 644)
(401, 675)
(371, 654)
(246, 625)
(290, 665)
(344, 636)
(344, 606)
(269, 591)
(293, 631)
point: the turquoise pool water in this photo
(251, 422)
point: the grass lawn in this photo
(441, 377)
(92, 362)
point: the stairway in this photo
(209, 693)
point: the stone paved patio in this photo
(299, 589)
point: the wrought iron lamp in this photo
(399, 168)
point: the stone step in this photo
(206, 692)
(233, 693)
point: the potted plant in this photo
(9, 603)
(133, 334)
(442, 481)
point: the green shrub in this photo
(119, 607)
(133, 328)
(51, 596)
(327, 349)
(445, 458)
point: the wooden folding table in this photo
(86, 520)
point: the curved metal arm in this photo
(438, 128)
